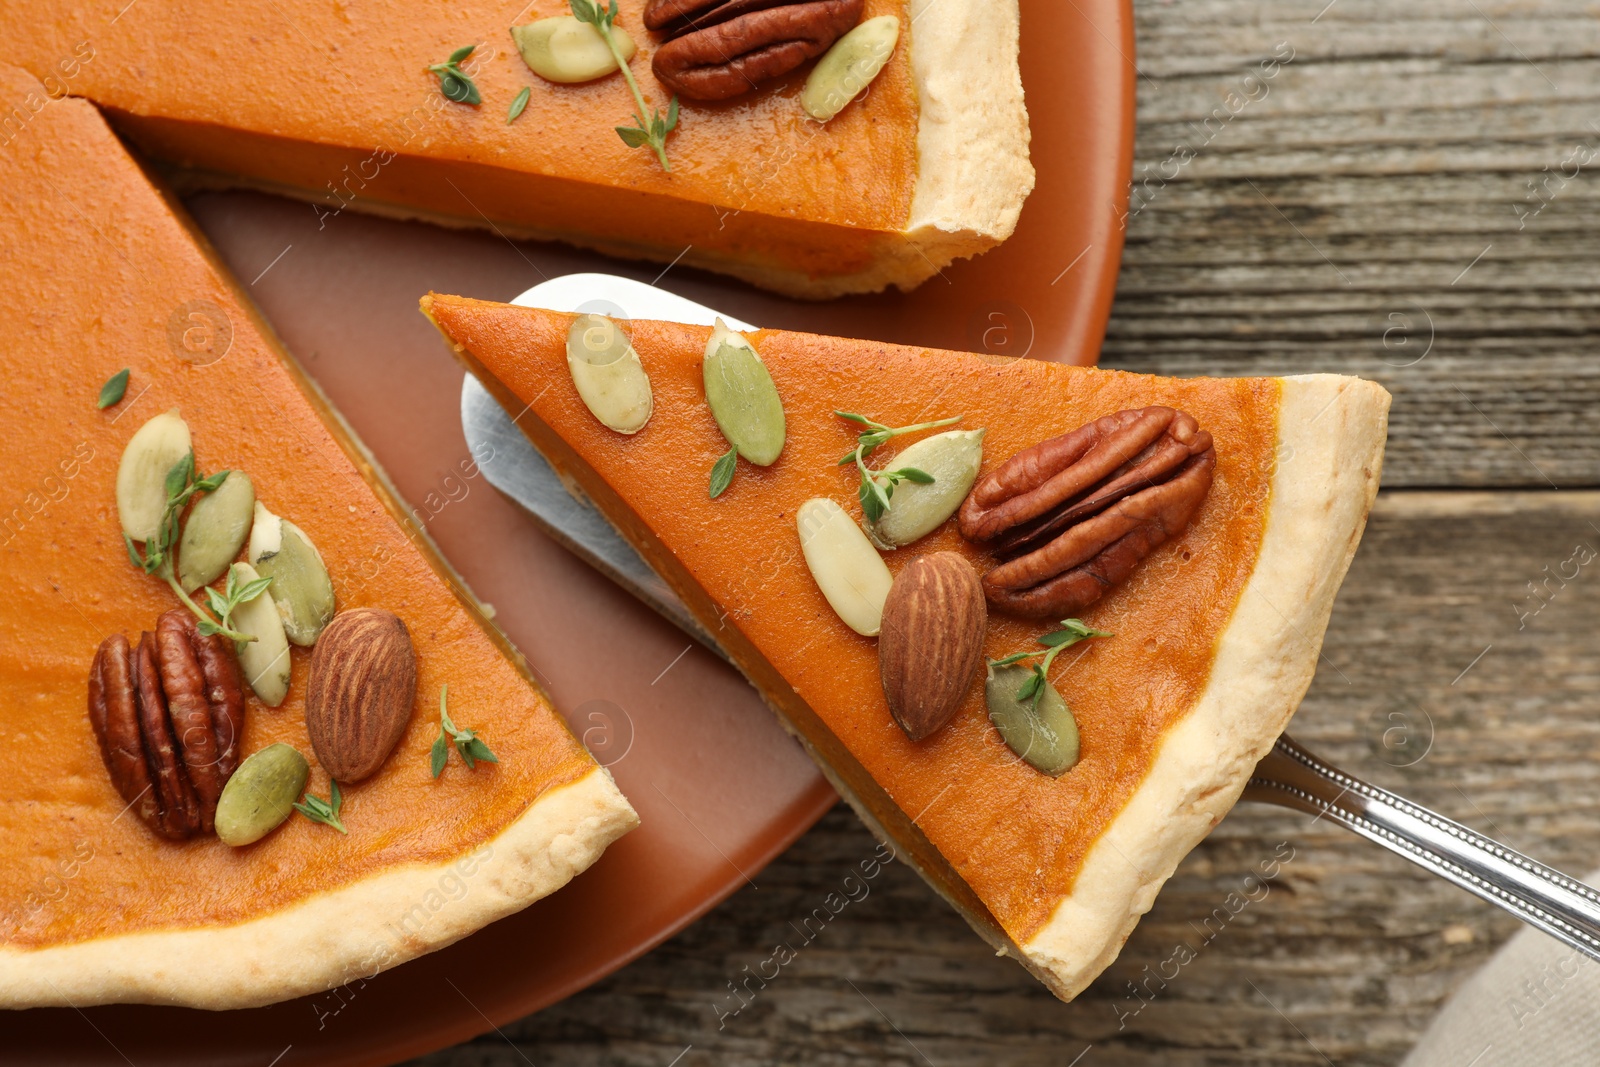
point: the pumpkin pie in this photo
(102, 273)
(1215, 629)
(333, 103)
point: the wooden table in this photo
(1369, 211)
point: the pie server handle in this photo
(1540, 896)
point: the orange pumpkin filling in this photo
(102, 274)
(1017, 838)
(361, 122)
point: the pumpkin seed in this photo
(564, 50)
(952, 458)
(142, 474)
(849, 67)
(264, 661)
(261, 794)
(1046, 736)
(608, 374)
(742, 398)
(845, 566)
(215, 530)
(301, 588)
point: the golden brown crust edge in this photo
(1331, 433)
(337, 937)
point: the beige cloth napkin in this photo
(1535, 1003)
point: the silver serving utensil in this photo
(1540, 896)
(1289, 776)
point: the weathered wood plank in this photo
(1328, 218)
(1355, 947)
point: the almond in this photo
(931, 644)
(362, 687)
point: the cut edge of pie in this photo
(346, 935)
(1330, 433)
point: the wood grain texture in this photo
(1358, 214)
(1354, 947)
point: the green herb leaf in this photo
(632, 137)
(467, 742)
(178, 478)
(133, 554)
(877, 487)
(114, 389)
(1072, 631)
(454, 82)
(476, 749)
(722, 472)
(875, 496)
(518, 104)
(323, 811)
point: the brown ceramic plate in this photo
(721, 789)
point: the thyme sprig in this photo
(1072, 631)
(456, 84)
(225, 602)
(877, 487)
(651, 132)
(155, 557)
(324, 811)
(467, 742)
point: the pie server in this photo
(1289, 776)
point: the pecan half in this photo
(1072, 516)
(718, 49)
(168, 715)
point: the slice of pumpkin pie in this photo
(1037, 623)
(814, 147)
(261, 743)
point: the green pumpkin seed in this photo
(952, 458)
(849, 67)
(264, 661)
(742, 398)
(301, 588)
(607, 372)
(1045, 737)
(215, 530)
(562, 49)
(151, 452)
(261, 794)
